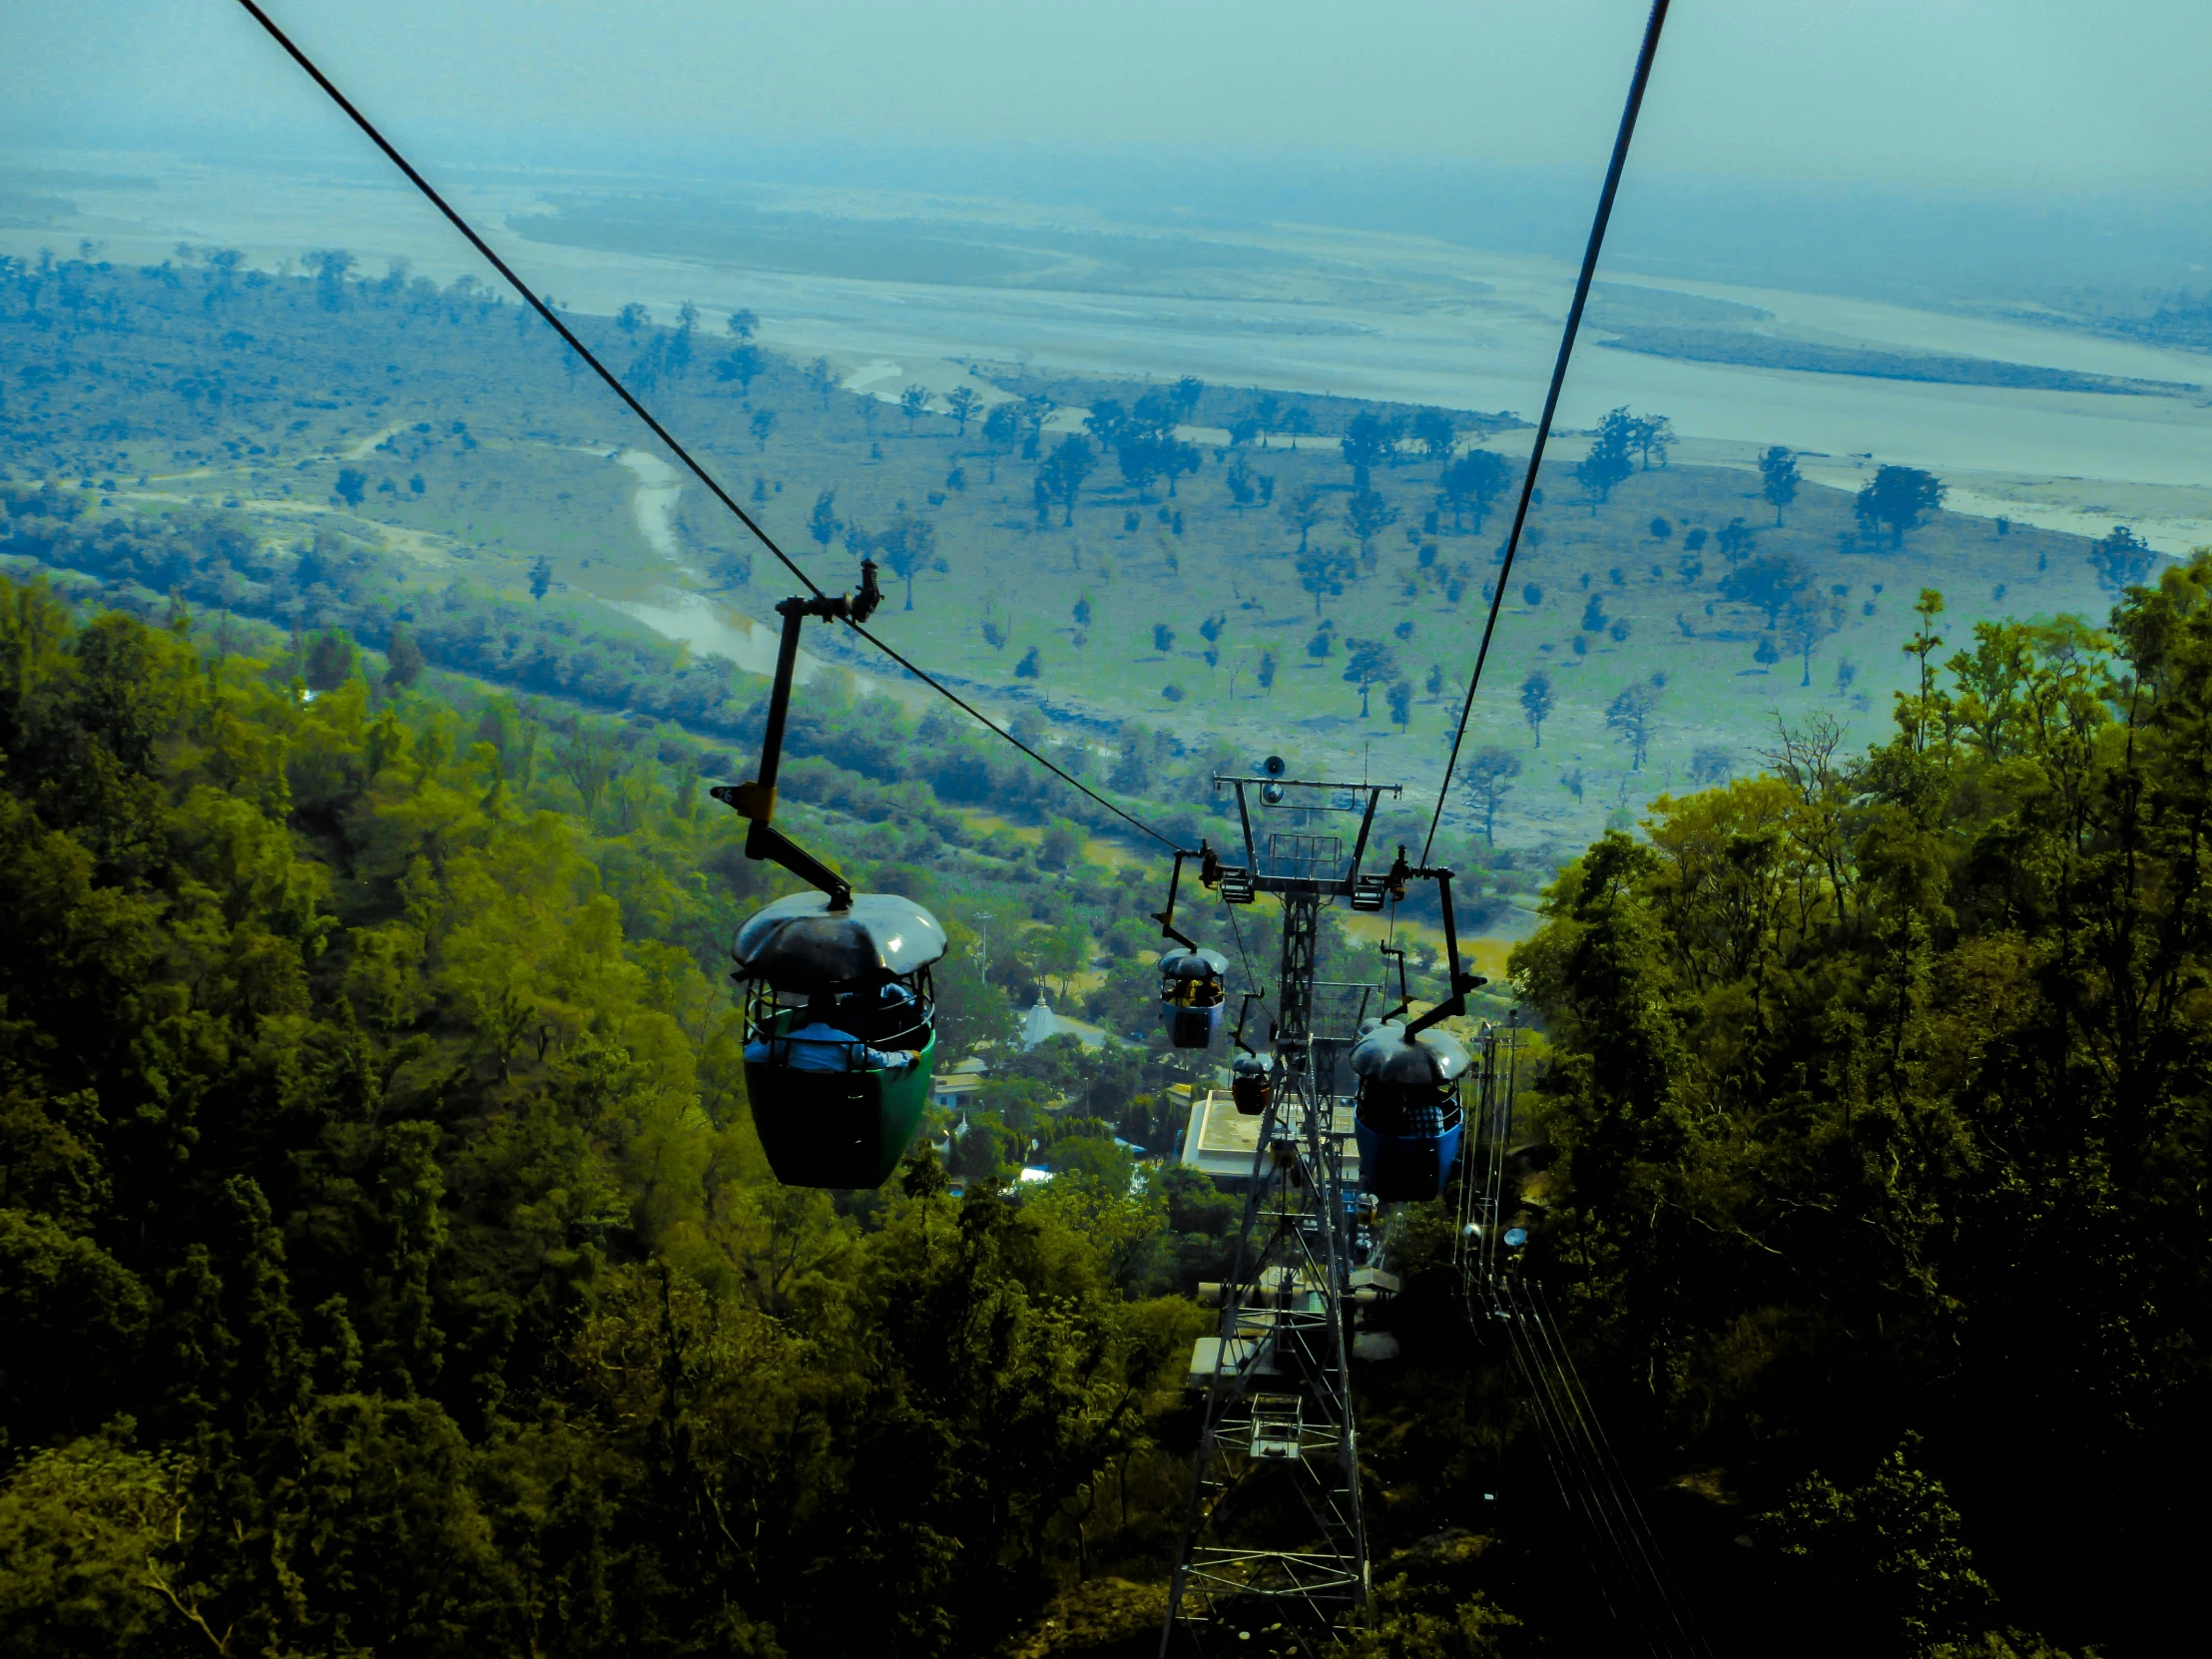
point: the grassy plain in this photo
(516, 457)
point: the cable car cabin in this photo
(1192, 995)
(840, 1033)
(1251, 1084)
(1406, 1116)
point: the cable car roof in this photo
(801, 945)
(1193, 965)
(1385, 1056)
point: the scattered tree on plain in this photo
(1630, 718)
(1535, 702)
(1777, 470)
(1490, 772)
(1471, 483)
(1898, 497)
(1368, 663)
(2121, 560)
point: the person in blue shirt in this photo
(820, 1042)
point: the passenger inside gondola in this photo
(824, 1039)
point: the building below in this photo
(1221, 1142)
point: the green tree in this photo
(1306, 510)
(330, 660)
(1366, 516)
(822, 523)
(907, 546)
(1368, 663)
(1472, 483)
(1898, 497)
(1607, 462)
(1535, 702)
(1071, 461)
(2121, 560)
(1777, 471)
(1630, 717)
(1490, 776)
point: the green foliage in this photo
(373, 1133)
(1878, 1085)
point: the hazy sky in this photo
(2064, 93)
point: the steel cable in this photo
(615, 384)
(1551, 396)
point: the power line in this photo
(614, 383)
(1552, 397)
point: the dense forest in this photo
(389, 1262)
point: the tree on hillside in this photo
(1107, 421)
(822, 523)
(1473, 482)
(1770, 584)
(1630, 717)
(1306, 510)
(1535, 702)
(1809, 619)
(1490, 772)
(961, 403)
(402, 659)
(1898, 497)
(1370, 441)
(330, 661)
(1366, 516)
(1186, 395)
(541, 578)
(591, 758)
(1735, 540)
(1162, 638)
(822, 379)
(763, 425)
(1266, 415)
(741, 324)
(1368, 663)
(1178, 458)
(1001, 433)
(1778, 467)
(908, 547)
(2121, 560)
(631, 317)
(913, 404)
(1436, 433)
(742, 365)
(1400, 699)
(1651, 432)
(1325, 573)
(1072, 460)
(1607, 464)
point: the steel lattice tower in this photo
(1273, 1556)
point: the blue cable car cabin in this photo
(1406, 1118)
(1192, 995)
(841, 1036)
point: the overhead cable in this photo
(1552, 397)
(614, 383)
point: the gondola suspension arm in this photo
(755, 800)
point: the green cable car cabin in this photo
(841, 1033)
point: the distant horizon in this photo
(1951, 241)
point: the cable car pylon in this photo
(1273, 1556)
